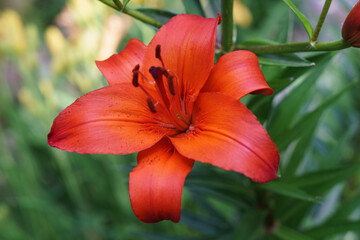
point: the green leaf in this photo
(287, 190)
(304, 21)
(346, 209)
(223, 195)
(287, 60)
(285, 137)
(125, 3)
(249, 226)
(193, 7)
(286, 233)
(327, 230)
(151, 236)
(204, 224)
(300, 150)
(286, 111)
(162, 16)
(322, 177)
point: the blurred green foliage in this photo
(313, 117)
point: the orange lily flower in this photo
(351, 27)
(172, 104)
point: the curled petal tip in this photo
(219, 18)
(351, 27)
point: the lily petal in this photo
(110, 120)
(156, 184)
(187, 44)
(226, 134)
(237, 74)
(118, 68)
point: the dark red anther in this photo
(171, 85)
(158, 55)
(151, 105)
(163, 71)
(135, 80)
(158, 52)
(136, 68)
(155, 72)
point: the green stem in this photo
(117, 5)
(321, 20)
(296, 47)
(142, 17)
(227, 24)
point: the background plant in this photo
(47, 61)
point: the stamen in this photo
(136, 68)
(157, 74)
(151, 105)
(154, 71)
(171, 85)
(158, 55)
(157, 52)
(135, 80)
(163, 71)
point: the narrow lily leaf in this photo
(193, 7)
(284, 114)
(162, 16)
(299, 151)
(214, 7)
(204, 224)
(215, 210)
(249, 226)
(294, 132)
(149, 236)
(317, 182)
(227, 197)
(286, 233)
(346, 209)
(288, 191)
(231, 188)
(286, 60)
(323, 176)
(304, 21)
(125, 3)
(327, 230)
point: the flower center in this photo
(163, 92)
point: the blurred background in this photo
(47, 60)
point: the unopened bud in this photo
(351, 27)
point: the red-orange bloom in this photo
(170, 103)
(351, 27)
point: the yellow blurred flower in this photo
(55, 40)
(28, 100)
(242, 14)
(56, 44)
(12, 33)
